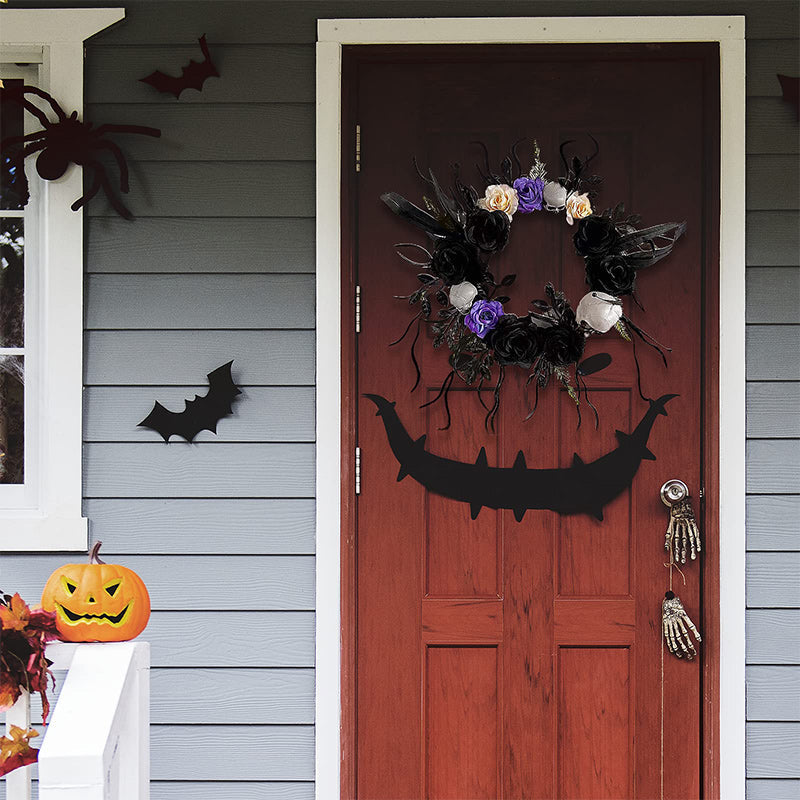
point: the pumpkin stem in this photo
(94, 558)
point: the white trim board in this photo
(729, 32)
(51, 519)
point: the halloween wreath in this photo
(467, 229)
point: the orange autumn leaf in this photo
(16, 751)
(15, 617)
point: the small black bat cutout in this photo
(193, 75)
(579, 489)
(200, 414)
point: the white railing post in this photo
(97, 744)
(18, 782)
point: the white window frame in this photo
(48, 516)
(729, 32)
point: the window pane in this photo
(12, 419)
(13, 184)
(12, 282)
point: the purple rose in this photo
(483, 316)
(529, 192)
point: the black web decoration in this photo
(70, 141)
(582, 488)
(466, 229)
(200, 414)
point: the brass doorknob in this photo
(674, 491)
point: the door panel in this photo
(496, 659)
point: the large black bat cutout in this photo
(193, 75)
(200, 414)
(579, 489)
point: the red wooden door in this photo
(491, 658)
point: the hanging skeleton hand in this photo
(682, 531)
(676, 625)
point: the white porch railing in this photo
(96, 745)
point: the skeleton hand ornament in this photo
(682, 531)
(676, 626)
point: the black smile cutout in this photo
(113, 619)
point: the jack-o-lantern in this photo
(97, 602)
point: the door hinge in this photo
(358, 309)
(358, 470)
(358, 148)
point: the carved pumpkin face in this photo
(97, 602)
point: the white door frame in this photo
(728, 31)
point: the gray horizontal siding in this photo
(233, 752)
(245, 132)
(771, 179)
(176, 583)
(243, 21)
(773, 465)
(773, 636)
(202, 245)
(240, 526)
(241, 790)
(773, 522)
(192, 301)
(773, 749)
(772, 580)
(250, 74)
(769, 352)
(773, 294)
(225, 696)
(773, 693)
(773, 410)
(220, 189)
(766, 789)
(261, 358)
(773, 238)
(212, 469)
(231, 638)
(261, 413)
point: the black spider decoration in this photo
(71, 141)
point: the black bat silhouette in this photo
(193, 75)
(579, 489)
(200, 414)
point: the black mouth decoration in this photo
(111, 619)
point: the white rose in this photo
(500, 197)
(599, 311)
(462, 296)
(554, 196)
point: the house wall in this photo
(220, 264)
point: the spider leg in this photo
(121, 163)
(142, 129)
(12, 140)
(31, 149)
(59, 112)
(101, 181)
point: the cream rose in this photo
(578, 207)
(599, 311)
(500, 197)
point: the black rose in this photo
(516, 340)
(595, 236)
(455, 261)
(611, 274)
(563, 344)
(488, 230)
